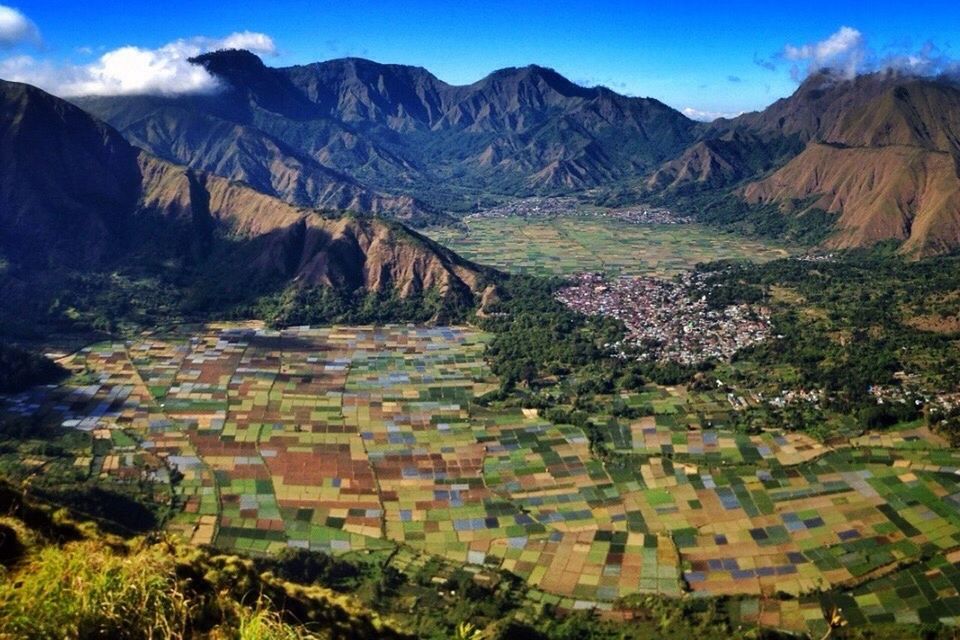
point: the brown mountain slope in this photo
(284, 242)
(62, 197)
(712, 163)
(729, 151)
(76, 196)
(879, 193)
(871, 110)
(813, 110)
(886, 160)
(916, 112)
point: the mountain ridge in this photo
(400, 130)
(887, 165)
(138, 208)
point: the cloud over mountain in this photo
(134, 70)
(847, 52)
(844, 51)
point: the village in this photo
(565, 206)
(642, 214)
(663, 321)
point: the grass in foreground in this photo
(64, 579)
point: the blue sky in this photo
(695, 55)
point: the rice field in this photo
(566, 245)
(343, 439)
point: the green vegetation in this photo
(568, 244)
(65, 578)
(849, 324)
(798, 225)
(323, 305)
(127, 301)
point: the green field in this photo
(564, 245)
(347, 439)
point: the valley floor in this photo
(569, 244)
(342, 439)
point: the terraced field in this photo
(565, 245)
(351, 438)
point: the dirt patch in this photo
(935, 323)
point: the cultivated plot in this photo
(350, 438)
(567, 245)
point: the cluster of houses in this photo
(532, 208)
(566, 206)
(788, 397)
(644, 215)
(664, 321)
(817, 257)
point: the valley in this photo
(565, 245)
(296, 350)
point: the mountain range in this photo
(312, 134)
(241, 178)
(878, 153)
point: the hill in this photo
(78, 198)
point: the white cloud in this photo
(134, 70)
(708, 116)
(847, 53)
(250, 40)
(929, 60)
(16, 28)
(844, 51)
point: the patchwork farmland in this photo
(566, 245)
(344, 439)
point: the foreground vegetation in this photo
(63, 577)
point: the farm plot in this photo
(358, 438)
(567, 245)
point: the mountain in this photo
(880, 152)
(731, 150)
(306, 131)
(885, 158)
(220, 134)
(67, 181)
(713, 163)
(74, 195)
